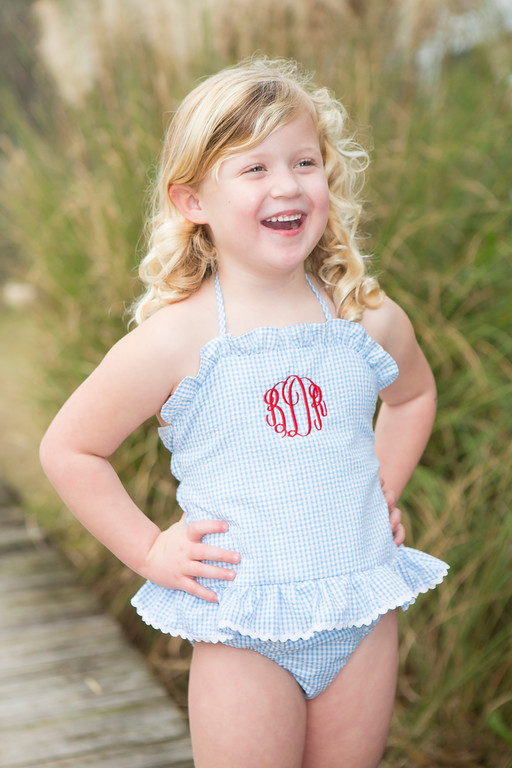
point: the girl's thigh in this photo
(244, 709)
(348, 723)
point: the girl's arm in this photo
(408, 405)
(128, 387)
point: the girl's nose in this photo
(284, 183)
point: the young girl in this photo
(263, 346)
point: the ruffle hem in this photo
(294, 610)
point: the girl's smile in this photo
(285, 221)
(266, 208)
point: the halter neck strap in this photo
(222, 313)
(321, 300)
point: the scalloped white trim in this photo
(192, 638)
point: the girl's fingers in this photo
(390, 497)
(398, 530)
(193, 588)
(399, 534)
(197, 530)
(197, 568)
(200, 551)
(205, 552)
(395, 517)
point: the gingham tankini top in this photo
(275, 436)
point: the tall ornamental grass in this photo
(75, 168)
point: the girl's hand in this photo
(174, 560)
(395, 518)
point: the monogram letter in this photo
(299, 396)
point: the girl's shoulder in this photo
(140, 372)
(175, 334)
(390, 327)
(183, 320)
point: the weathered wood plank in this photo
(19, 537)
(93, 731)
(73, 692)
(54, 644)
(145, 756)
(30, 566)
(104, 685)
(31, 606)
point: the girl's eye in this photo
(255, 169)
(305, 163)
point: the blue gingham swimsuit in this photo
(275, 435)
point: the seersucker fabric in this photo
(275, 435)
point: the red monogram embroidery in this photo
(295, 406)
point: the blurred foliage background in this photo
(85, 94)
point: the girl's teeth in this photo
(294, 217)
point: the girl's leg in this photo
(245, 710)
(348, 723)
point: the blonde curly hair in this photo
(234, 111)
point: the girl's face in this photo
(266, 208)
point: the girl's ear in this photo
(186, 200)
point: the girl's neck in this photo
(253, 301)
(261, 285)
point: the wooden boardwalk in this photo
(73, 692)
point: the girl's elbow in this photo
(52, 453)
(47, 452)
(432, 393)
